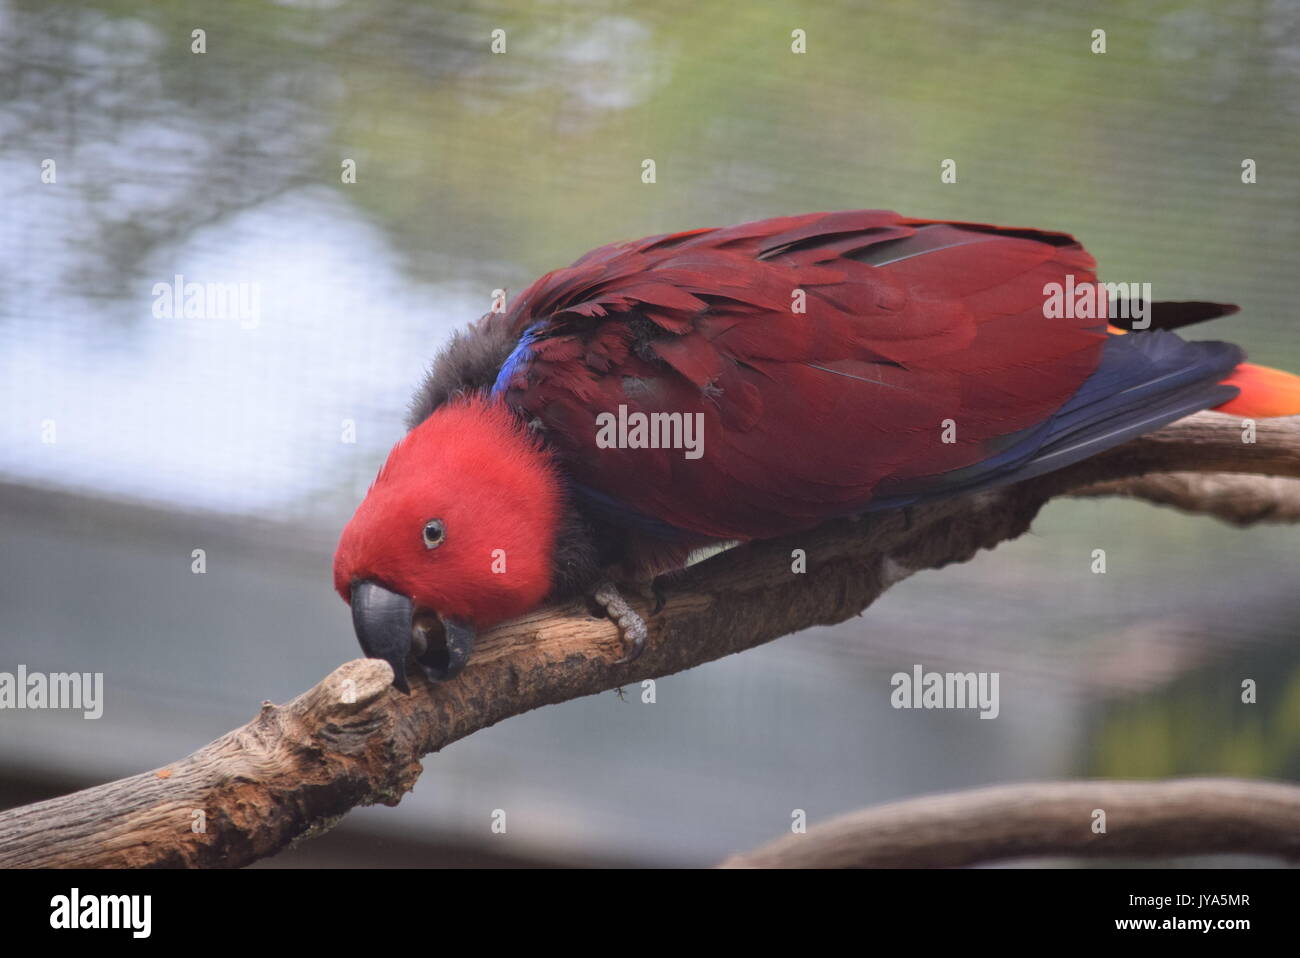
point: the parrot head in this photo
(455, 535)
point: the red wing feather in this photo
(905, 324)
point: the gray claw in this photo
(631, 625)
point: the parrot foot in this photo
(631, 625)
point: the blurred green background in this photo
(477, 170)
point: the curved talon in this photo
(631, 625)
(634, 634)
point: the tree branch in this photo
(1146, 819)
(296, 768)
(1241, 500)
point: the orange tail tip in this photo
(1264, 393)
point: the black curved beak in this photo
(382, 620)
(389, 628)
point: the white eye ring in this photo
(434, 533)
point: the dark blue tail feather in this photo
(1144, 381)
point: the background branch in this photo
(295, 769)
(1148, 819)
(1239, 499)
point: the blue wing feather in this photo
(1144, 381)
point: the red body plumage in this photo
(806, 413)
(838, 362)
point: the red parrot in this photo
(720, 385)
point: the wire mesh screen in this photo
(232, 237)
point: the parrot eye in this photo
(434, 533)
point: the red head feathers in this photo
(461, 522)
